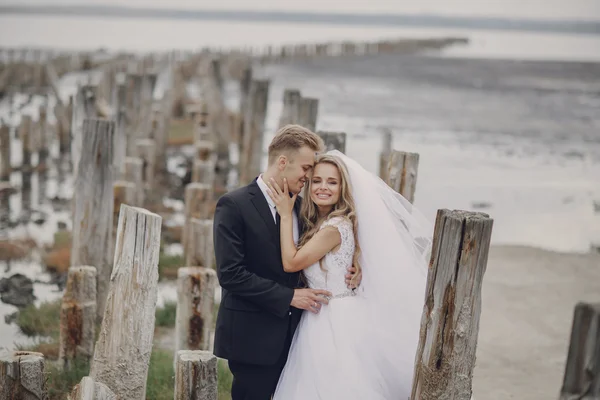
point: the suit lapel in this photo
(261, 205)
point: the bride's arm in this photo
(295, 260)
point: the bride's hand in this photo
(281, 198)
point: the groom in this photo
(261, 304)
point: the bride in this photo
(361, 345)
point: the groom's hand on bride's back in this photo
(310, 299)
(353, 278)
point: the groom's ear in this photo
(282, 162)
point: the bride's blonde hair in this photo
(343, 208)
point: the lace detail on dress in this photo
(335, 264)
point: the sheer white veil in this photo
(395, 241)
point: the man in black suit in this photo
(261, 304)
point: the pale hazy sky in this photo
(542, 9)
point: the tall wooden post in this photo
(93, 205)
(450, 322)
(134, 173)
(196, 376)
(22, 376)
(123, 349)
(334, 140)
(401, 173)
(384, 156)
(195, 304)
(87, 389)
(582, 372)
(78, 315)
(197, 201)
(25, 137)
(307, 113)
(291, 106)
(199, 250)
(251, 155)
(5, 167)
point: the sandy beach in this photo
(527, 308)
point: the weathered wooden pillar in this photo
(22, 376)
(25, 137)
(291, 107)
(582, 371)
(307, 113)
(93, 205)
(43, 149)
(197, 199)
(384, 156)
(5, 167)
(252, 149)
(146, 151)
(195, 304)
(334, 140)
(199, 250)
(78, 315)
(196, 376)
(124, 345)
(450, 322)
(203, 171)
(87, 389)
(134, 168)
(83, 108)
(205, 150)
(401, 174)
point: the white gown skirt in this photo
(340, 354)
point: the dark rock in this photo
(10, 318)
(17, 290)
(481, 204)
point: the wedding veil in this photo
(395, 241)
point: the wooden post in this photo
(123, 349)
(87, 389)
(334, 140)
(22, 376)
(25, 137)
(291, 106)
(203, 171)
(450, 322)
(78, 315)
(251, 155)
(307, 113)
(384, 156)
(5, 167)
(196, 375)
(43, 149)
(197, 199)
(93, 205)
(401, 174)
(582, 371)
(199, 250)
(146, 151)
(195, 304)
(205, 150)
(134, 168)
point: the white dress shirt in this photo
(263, 188)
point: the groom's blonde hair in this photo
(290, 138)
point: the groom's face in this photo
(298, 169)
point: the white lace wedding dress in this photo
(340, 353)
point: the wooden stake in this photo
(582, 372)
(123, 349)
(402, 173)
(195, 305)
(450, 322)
(199, 250)
(87, 389)
(78, 315)
(93, 205)
(334, 140)
(196, 375)
(22, 376)
(5, 167)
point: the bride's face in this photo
(325, 185)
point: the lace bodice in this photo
(335, 263)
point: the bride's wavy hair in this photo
(343, 208)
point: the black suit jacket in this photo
(255, 313)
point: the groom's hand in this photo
(310, 299)
(353, 278)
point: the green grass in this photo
(42, 321)
(62, 239)
(61, 382)
(225, 378)
(165, 316)
(161, 377)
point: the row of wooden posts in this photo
(115, 282)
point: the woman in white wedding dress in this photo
(362, 344)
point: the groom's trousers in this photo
(258, 382)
